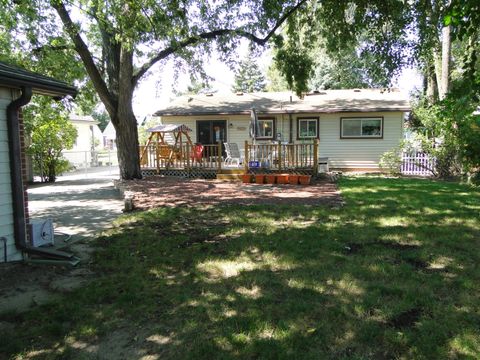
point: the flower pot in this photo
(270, 179)
(247, 178)
(293, 179)
(282, 179)
(304, 179)
(259, 179)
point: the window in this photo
(307, 128)
(266, 128)
(361, 127)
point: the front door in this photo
(210, 132)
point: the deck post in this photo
(315, 157)
(157, 154)
(219, 156)
(247, 152)
(187, 154)
(279, 152)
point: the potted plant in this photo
(247, 178)
(270, 178)
(293, 179)
(259, 178)
(304, 179)
(282, 179)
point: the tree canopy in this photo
(118, 42)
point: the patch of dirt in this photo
(405, 319)
(417, 263)
(354, 248)
(24, 286)
(158, 191)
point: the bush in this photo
(391, 161)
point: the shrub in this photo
(391, 161)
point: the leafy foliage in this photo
(248, 76)
(50, 130)
(391, 161)
(450, 132)
(372, 34)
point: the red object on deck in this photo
(197, 152)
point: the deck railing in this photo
(274, 157)
(181, 156)
(282, 157)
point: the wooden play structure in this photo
(170, 142)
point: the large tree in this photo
(118, 42)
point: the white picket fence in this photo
(417, 163)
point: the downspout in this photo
(16, 179)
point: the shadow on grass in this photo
(393, 274)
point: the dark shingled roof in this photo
(16, 77)
(325, 101)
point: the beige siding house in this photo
(6, 208)
(16, 89)
(354, 127)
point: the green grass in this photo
(393, 274)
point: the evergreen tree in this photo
(248, 77)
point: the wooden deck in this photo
(208, 159)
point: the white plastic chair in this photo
(234, 157)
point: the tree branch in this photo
(213, 35)
(50, 47)
(86, 57)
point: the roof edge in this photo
(279, 112)
(16, 77)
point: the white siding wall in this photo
(356, 153)
(6, 210)
(342, 153)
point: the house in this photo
(16, 88)
(89, 134)
(89, 137)
(109, 137)
(353, 127)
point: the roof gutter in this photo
(16, 179)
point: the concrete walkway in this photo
(80, 205)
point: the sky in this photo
(156, 90)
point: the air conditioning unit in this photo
(41, 232)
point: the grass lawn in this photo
(395, 273)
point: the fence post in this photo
(279, 152)
(315, 157)
(247, 153)
(219, 156)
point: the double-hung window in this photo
(307, 128)
(361, 127)
(266, 128)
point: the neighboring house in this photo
(109, 137)
(89, 134)
(89, 138)
(16, 88)
(354, 127)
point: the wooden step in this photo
(229, 177)
(235, 171)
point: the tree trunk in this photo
(431, 85)
(124, 120)
(446, 54)
(125, 125)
